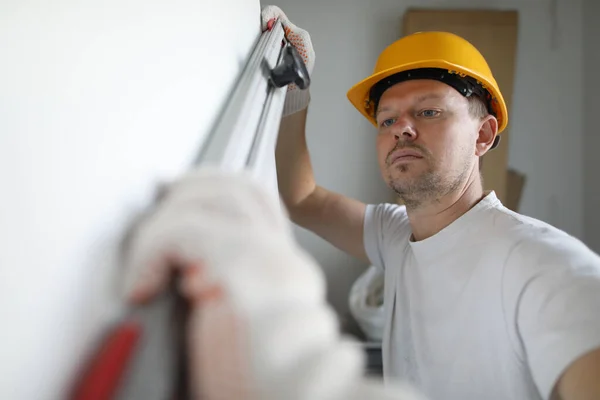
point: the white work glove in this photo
(260, 327)
(296, 99)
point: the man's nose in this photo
(404, 130)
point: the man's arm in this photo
(555, 284)
(335, 218)
(581, 380)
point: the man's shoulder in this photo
(510, 223)
(388, 221)
(390, 213)
(530, 241)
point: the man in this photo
(481, 302)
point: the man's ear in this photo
(488, 129)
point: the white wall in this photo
(591, 66)
(546, 135)
(98, 102)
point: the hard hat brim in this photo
(359, 93)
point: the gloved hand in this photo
(201, 217)
(260, 327)
(296, 99)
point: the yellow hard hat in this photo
(431, 55)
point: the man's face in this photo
(426, 141)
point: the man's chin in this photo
(409, 183)
(407, 178)
(401, 186)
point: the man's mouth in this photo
(404, 155)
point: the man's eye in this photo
(429, 113)
(388, 122)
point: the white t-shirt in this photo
(495, 306)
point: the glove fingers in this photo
(195, 285)
(296, 99)
(272, 12)
(157, 249)
(147, 280)
(299, 38)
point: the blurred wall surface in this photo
(99, 102)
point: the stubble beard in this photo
(429, 187)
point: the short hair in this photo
(477, 107)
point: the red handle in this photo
(103, 375)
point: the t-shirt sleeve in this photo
(558, 307)
(384, 224)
